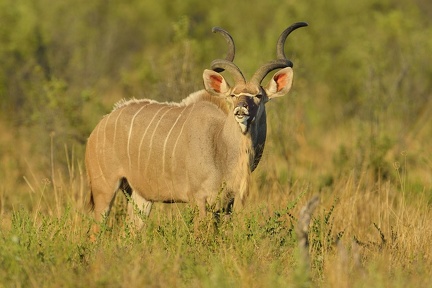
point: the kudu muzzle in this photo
(245, 111)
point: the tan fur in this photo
(110, 158)
(201, 95)
(198, 150)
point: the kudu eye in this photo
(259, 96)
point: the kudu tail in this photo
(90, 203)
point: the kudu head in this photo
(247, 98)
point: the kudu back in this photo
(201, 150)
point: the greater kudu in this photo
(201, 150)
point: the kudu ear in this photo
(280, 83)
(215, 83)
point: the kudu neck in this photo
(258, 133)
(252, 141)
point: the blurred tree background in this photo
(361, 101)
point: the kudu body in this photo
(201, 150)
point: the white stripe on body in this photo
(115, 125)
(142, 138)
(152, 138)
(181, 131)
(166, 140)
(104, 137)
(129, 135)
(97, 154)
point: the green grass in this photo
(364, 236)
(39, 250)
(355, 130)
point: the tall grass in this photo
(362, 234)
(354, 130)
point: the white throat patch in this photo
(242, 121)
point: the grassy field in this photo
(355, 130)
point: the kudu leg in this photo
(103, 201)
(102, 204)
(136, 206)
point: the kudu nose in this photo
(243, 104)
